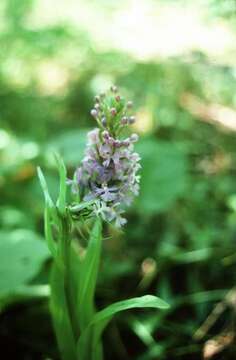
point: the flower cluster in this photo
(108, 173)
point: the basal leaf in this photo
(102, 318)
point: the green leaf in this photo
(66, 144)
(44, 186)
(13, 218)
(102, 318)
(62, 191)
(22, 254)
(61, 322)
(163, 175)
(48, 231)
(74, 277)
(145, 301)
(188, 257)
(50, 214)
(89, 272)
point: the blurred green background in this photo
(176, 60)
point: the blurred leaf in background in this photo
(22, 255)
(164, 175)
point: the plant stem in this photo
(66, 243)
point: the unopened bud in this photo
(97, 106)
(114, 88)
(131, 119)
(129, 104)
(124, 120)
(94, 113)
(134, 138)
(104, 121)
(113, 111)
(97, 99)
(117, 98)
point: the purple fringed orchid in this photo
(106, 182)
(107, 175)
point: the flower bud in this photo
(113, 111)
(104, 121)
(114, 88)
(124, 120)
(134, 138)
(97, 99)
(131, 119)
(97, 106)
(129, 104)
(94, 113)
(117, 98)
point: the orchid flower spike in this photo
(108, 175)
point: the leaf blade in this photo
(62, 190)
(89, 272)
(61, 322)
(102, 318)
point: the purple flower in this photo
(108, 172)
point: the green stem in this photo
(66, 243)
(60, 315)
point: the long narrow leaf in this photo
(102, 318)
(44, 187)
(48, 231)
(62, 191)
(89, 272)
(49, 214)
(73, 279)
(61, 322)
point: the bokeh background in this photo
(176, 60)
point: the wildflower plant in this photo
(103, 185)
